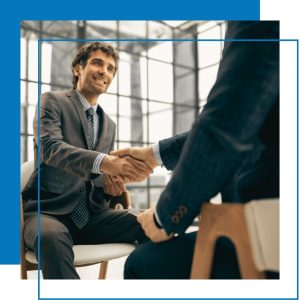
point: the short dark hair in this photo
(83, 55)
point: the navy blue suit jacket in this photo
(233, 147)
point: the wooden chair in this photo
(85, 255)
(253, 228)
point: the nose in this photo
(102, 71)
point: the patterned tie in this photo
(80, 215)
(90, 118)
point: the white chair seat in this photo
(84, 254)
(93, 254)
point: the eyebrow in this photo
(101, 60)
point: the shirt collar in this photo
(85, 103)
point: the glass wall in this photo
(157, 92)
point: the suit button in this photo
(175, 219)
(183, 209)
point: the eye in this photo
(111, 69)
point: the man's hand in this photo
(126, 168)
(143, 154)
(113, 188)
(146, 219)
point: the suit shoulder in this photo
(54, 94)
(59, 98)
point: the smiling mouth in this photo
(100, 81)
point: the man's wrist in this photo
(97, 163)
(104, 166)
(156, 154)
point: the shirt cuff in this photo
(157, 220)
(98, 181)
(155, 148)
(97, 163)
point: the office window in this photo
(159, 30)
(160, 120)
(209, 56)
(160, 81)
(132, 120)
(124, 75)
(101, 30)
(162, 51)
(32, 60)
(108, 102)
(207, 78)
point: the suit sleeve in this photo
(246, 89)
(170, 150)
(54, 151)
(98, 179)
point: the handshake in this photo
(129, 164)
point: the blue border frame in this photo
(165, 40)
(297, 177)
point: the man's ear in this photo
(77, 70)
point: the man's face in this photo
(96, 76)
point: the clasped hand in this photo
(125, 168)
(131, 164)
(146, 219)
(143, 163)
(113, 188)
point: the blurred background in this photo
(162, 84)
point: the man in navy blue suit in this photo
(232, 149)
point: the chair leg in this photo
(225, 220)
(103, 270)
(201, 268)
(241, 240)
(23, 266)
(205, 244)
(23, 271)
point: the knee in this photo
(131, 266)
(54, 239)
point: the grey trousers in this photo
(58, 234)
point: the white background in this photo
(13, 288)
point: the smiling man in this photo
(75, 182)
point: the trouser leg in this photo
(173, 260)
(167, 260)
(112, 226)
(56, 254)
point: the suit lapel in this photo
(80, 111)
(106, 125)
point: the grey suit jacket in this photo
(65, 160)
(233, 147)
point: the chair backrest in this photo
(254, 230)
(26, 171)
(262, 219)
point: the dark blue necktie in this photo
(80, 215)
(90, 117)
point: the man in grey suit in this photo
(232, 149)
(75, 136)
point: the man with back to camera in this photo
(75, 171)
(233, 148)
